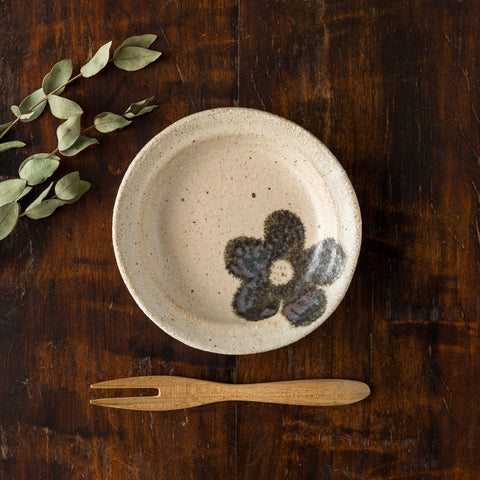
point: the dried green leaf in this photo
(26, 191)
(36, 169)
(82, 188)
(44, 209)
(58, 75)
(39, 199)
(5, 126)
(68, 187)
(79, 145)
(8, 218)
(11, 189)
(143, 111)
(68, 132)
(97, 62)
(108, 122)
(134, 58)
(22, 116)
(38, 156)
(63, 108)
(25, 108)
(139, 108)
(8, 145)
(143, 41)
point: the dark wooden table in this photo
(392, 88)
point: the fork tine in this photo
(130, 382)
(131, 403)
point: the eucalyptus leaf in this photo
(5, 126)
(68, 187)
(97, 62)
(26, 109)
(38, 156)
(134, 58)
(26, 191)
(16, 110)
(143, 41)
(143, 111)
(39, 199)
(8, 145)
(58, 75)
(44, 209)
(108, 122)
(79, 145)
(8, 218)
(139, 108)
(37, 170)
(63, 108)
(82, 188)
(11, 189)
(21, 116)
(68, 132)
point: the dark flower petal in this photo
(284, 233)
(247, 258)
(306, 305)
(326, 262)
(254, 301)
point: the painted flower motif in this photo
(279, 272)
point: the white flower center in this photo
(281, 272)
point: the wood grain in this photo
(67, 319)
(392, 89)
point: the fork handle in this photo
(317, 392)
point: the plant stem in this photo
(9, 127)
(44, 99)
(52, 153)
(55, 91)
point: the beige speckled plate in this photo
(236, 231)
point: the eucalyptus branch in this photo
(133, 54)
(37, 168)
(9, 127)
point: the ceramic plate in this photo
(236, 231)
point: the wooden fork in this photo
(178, 392)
